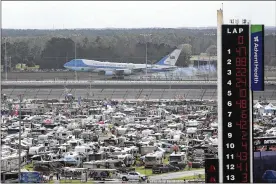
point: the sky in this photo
(132, 14)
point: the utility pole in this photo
(19, 144)
(90, 87)
(76, 77)
(5, 58)
(146, 60)
(145, 35)
(75, 52)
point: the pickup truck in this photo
(132, 176)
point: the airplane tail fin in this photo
(171, 58)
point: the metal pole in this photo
(208, 77)
(19, 149)
(90, 85)
(5, 58)
(146, 53)
(146, 60)
(76, 77)
(251, 109)
(219, 91)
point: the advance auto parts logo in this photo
(257, 142)
(270, 141)
(265, 142)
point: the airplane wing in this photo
(110, 72)
(128, 71)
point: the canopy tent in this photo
(270, 108)
(257, 106)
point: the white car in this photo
(133, 176)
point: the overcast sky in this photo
(74, 14)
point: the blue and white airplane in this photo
(167, 63)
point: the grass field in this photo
(142, 170)
(29, 167)
(148, 172)
(190, 177)
(72, 181)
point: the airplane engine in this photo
(108, 73)
(127, 72)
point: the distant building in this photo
(203, 59)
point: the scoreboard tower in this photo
(236, 111)
(240, 54)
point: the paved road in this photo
(174, 175)
(51, 76)
(69, 75)
(166, 178)
(23, 76)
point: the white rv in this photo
(178, 159)
(36, 150)
(128, 159)
(152, 159)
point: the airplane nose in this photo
(65, 65)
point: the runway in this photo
(133, 91)
(62, 75)
(69, 75)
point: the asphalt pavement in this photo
(69, 75)
(163, 178)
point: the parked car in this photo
(133, 176)
(157, 169)
(173, 168)
(181, 166)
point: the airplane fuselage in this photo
(96, 66)
(167, 63)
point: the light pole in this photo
(145, 35)
(19, 143)
(90, 86)
(146, 60)
(5, 58)
(75, 52)
(76, 77)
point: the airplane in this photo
(167, 63)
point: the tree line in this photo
(52, 48)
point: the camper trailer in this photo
(36, 150)
(93, 156)
(152, 159)
(9, 162)
(111, 141)
(178, 159)
(127, 159)
(133, 150)
(73, 158)
(103, 164)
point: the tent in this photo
(257, 106)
